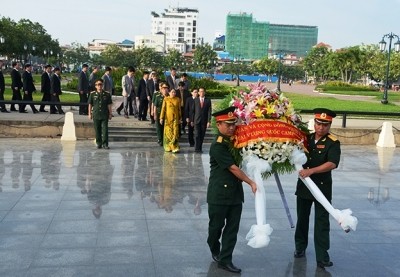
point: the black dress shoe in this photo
(215, 257)
(61, 112)
(98, 146)
(52, 112)
(23, 112)
(230, 267)
(119, 112)
(106, 147)
(13, 110)
(299, 254)
(43, 111)
(324, 264)
(35, 111)
(4, 111)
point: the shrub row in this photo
(342, 86)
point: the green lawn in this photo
(392, 95)
(66, 97)
(302, 102)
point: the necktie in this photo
(201, 102)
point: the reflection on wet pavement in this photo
(72, 210)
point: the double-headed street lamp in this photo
(382, 47)
(237, 61)
(49, 53)
(28, 53)
(2, 40)
(280, 56)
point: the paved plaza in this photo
(68, 209)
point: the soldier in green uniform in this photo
(225, 193)
(157, 100)
(100, 111)
(323, 157)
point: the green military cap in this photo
(324, 116)
(226, 115)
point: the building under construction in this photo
(248, 39)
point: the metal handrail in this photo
(345, 113)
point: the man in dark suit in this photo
(45, 86)
(152, 87)
(200, 118)
(29, 87)
(142, 97)
(184, 95)
(2, 89)
(83, 89)
(16, 85)
(172, 79)
(189, 108)
(56, 91)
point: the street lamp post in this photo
(280, 54)
(49, 53)
(237, 63)
(28, 54)
(382, 46)
(1, 41)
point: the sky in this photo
(341, 23)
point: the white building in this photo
(179, 26)
(152, 41)
(99, 45)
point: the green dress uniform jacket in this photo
(224, 188)
(157, 100)
(100, 114)
(327, 149)
(100, 102)
(224, 198)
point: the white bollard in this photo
(386, 137)
(69, 127)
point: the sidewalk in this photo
(68, 209)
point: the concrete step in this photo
(144, 133)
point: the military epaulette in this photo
(332, 137)
(220, 139)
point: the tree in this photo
(147, 58)
(76, 56)
(267, 66)
(25, 33)
(113, 55)
(205, 57)
(293, 72)
(173, 59)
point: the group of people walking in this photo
(50, 87)
(169, 105)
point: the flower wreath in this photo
(268, 127)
